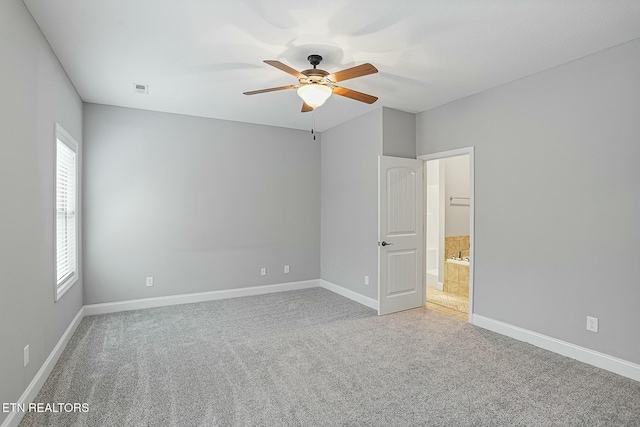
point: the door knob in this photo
(385, 243)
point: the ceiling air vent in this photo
(141, 89)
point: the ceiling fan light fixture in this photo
(314, 95)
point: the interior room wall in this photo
(398, 133)
(457, 183)
(349, 171)
(36, 93)
(199, 204)
(557, 235)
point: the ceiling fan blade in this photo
(351, 73)
(280, 66)
(358, 96)
(272, 89)
(306, 108)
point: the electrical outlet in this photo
(592, 324)
(286, 269)
(263, 271)
(366, 280)
(26, 356)
(150, 281)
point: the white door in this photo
(400, 239)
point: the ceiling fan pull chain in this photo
(313, 124)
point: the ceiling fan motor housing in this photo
(314, 60)
(314, 75)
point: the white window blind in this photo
(66, 212)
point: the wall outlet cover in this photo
(26, 356)
(366, 280)
(149, 281)
(263, 271)
(592, 324)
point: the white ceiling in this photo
(198, 56)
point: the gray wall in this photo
(350, 203)
(199, 204)
(398, 133)
(557, 200)
(36, 94)
(457, 184)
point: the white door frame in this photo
(454, 153)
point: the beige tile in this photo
(450, 272)
(451, 247)
(464, 243)
(445, 283)
(447, 311)
(448, 300)
(449, 252)
(463, 274)
(463, 289)
(448, 287)
(453, 288)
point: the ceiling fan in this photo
(317, 85)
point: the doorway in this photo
(449, 236)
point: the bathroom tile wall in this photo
(454, 244)
(456, 276)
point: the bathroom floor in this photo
(452, 304)
(448, 311)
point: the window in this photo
(66, 211)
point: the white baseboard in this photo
(14, 418)
(591, 357)
(136, 304)
(369, 302)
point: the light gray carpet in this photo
(313, 358)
